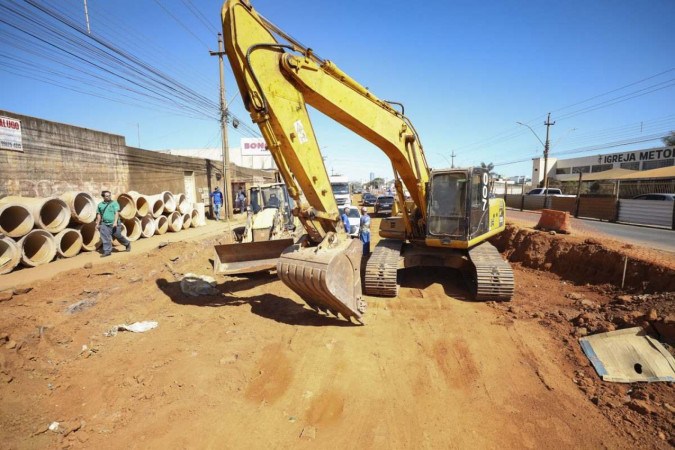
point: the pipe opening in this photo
(142, 206)
(161, 225)
(169, 202)
(175, 222)
(127, 206)
(85, 207)
(54, 215)
(37, 248)
(9, 255)
(70, 243)
(16, 221)
(187, 221)
(132, 229)
(156, 207)
(147, 226)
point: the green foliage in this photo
(669, 140)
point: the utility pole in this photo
(452, 155)
(227, 186)
(546, 148)
(547, 145)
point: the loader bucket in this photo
(249, 257)
(326, 277)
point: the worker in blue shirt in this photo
(364, 231)
(345, 219)
(217, 199)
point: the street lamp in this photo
(545, 144)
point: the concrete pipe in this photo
(91, 238)
(10, 255)
(194, 218)
(127, 206)
(175, 221)
(132, 228)
(148, 226)
(68, 243)
(82, 206)
(155, 204)
(187, 220)
(51, 214)
(183, 205)
(37, 248)
(201, 215)
(169, 202)
(141, 202)
(161, 225)
(16, 220)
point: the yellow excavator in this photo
(451, 214)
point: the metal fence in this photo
(643, 212)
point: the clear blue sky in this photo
(466, 72)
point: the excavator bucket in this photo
(231, 259)
(326, 277)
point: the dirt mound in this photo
(587, 260)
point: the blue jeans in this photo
(365, 239)
(107, 233)
(216, 210)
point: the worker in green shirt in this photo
(107, 222)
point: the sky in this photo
(465, 71)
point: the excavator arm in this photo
(277, 81)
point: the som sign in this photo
(254, 147)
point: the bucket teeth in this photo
(325, 277)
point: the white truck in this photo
(551, 192)
(341, 189)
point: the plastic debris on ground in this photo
(196, 285)
(136, 327)
(629, 355)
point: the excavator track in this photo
(381, 269)
(492, 277)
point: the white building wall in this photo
(646, 159)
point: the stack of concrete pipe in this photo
(35, 231)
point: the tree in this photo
(669, 140)
(376, 183)
(489, 167)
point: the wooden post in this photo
(576, 209)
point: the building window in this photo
(563, 170)
(601, 167)
(581, 169)
(631, 165)
(646, 165)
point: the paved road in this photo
(657, 238)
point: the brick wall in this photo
(59, 158)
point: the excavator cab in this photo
(458, 204)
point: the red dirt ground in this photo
(252, 366)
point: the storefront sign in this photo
(10, 134)
(254, 147)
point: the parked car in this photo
(551, 192)
(662, 197)
(384, 204)
(354, 217)
(368, 199)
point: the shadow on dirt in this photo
(420, 278)
(269, 306)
